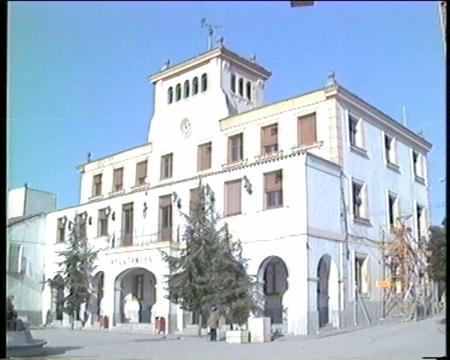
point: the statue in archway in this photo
(131, 308)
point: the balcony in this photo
(142, 238)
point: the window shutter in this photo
(230, 150)
(307, 130)
(194, 202)
(118, 174)
(273, 181)
(269, 138)
(233, 197)
(141, 172)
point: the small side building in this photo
(27, 209)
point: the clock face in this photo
(186, 127)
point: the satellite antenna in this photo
(210, 27)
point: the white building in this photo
(27, 210)
(309, 185)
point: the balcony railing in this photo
(141, 237)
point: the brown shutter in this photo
(194, 202)
(269, 138)
(307, 130)
(204, 156)
(273, 181)
(118, 174)
(230, 150)
(233, 197)
(208, 154)
(141, 171)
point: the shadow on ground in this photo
(58, 350)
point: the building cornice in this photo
(383, 118)
(82, 167)
(204, 57)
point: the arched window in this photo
(241, 86)
(204, 82)
(248, 90)
(233, 83)
(178, 92)
(170, 95)
(186, 89)
(195, 86)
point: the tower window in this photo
(241, 86)
(248, 90)
(186, 89)
(204, 82)
(233, 83)
(170, 95)
(195, 86)
(178, 93)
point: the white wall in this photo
(26, 287)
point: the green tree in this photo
(210, 270)
(437, 249)
(76, 270)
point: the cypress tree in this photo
(76, 271)
(210, 270)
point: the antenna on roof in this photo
(405, 124)
(210, 28)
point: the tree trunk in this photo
(73, 319)
(200, 321)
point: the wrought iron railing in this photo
(141, 237)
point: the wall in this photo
(26, 288)
(16, 202)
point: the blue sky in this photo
(77, 71)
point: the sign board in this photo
(383, 284)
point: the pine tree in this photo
(210, 270)
(76, 271)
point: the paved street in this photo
(399, 340)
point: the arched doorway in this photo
(273, 276)
(134, 286)
(323, 272)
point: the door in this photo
(322, 292)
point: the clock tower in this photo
(190, 98)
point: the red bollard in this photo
(100, 320)
(162, 325)
(157, 324)
(106, 322)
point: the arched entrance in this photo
(273, 276)
(323, 274)
(134, 296)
